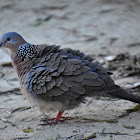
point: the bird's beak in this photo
(2, 44)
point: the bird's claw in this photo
(52, 121)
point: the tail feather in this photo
(122, 94)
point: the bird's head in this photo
(18, 45)
(11, 40)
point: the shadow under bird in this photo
(59, 79)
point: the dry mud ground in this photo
(96, 27)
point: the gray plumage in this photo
(59, 79)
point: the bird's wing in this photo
(56, 75)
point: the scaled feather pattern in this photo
(59, 79)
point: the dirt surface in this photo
(102, 28)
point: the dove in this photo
(58, 79)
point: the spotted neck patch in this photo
(26, 51)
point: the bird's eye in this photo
(8, 39)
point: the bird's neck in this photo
(22, 67)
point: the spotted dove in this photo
(59, 79)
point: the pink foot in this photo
(52, 121)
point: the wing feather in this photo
(56, 75)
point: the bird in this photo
(58, 79)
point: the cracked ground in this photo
(102, 28)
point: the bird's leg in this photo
(54, 120)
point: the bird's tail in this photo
(122, 94)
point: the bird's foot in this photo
(53, 121)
